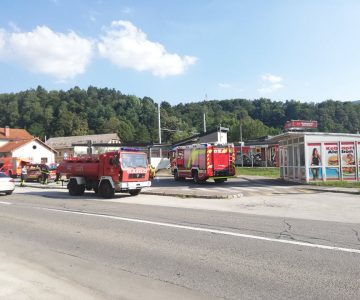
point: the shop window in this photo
(302, 155)
(296, 162)
(291, 157)
(44, 160)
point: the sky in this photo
(182, 50)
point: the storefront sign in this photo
(300, 124)
(332, 161)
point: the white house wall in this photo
(35, 155)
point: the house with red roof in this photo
(19, 147)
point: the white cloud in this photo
(2, 39)
(42, 50)
(270, 83)
(127, 46)
(224, 85)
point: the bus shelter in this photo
(312, 156)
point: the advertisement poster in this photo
(331, 157)
(358, 158)
(347, 153)
(314, 161)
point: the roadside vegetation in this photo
(102, 110)
(338, 183)
(258, 171)
(275, 173)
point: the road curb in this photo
(334, 190)
(231, 196)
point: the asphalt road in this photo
(95, 249)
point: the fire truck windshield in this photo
(133, 160)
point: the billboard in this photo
(300, 124)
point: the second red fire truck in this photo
(203, 161)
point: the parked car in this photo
(7, 184)
(52, 171)
(34, 173)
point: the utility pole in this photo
(204, 116)
(240, 132)
(159, 123)
(204, 123)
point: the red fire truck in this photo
(203, 161)
(11, 166)
(125, 170)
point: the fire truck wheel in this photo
(134, 192)
(196, 177)
(80, 190)
(176, 176)
(75, 189)
(106, 190)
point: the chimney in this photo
(7, 131)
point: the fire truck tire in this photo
(176, 175)
(134, 192)
(75, 189)
(106, 190)
(195, 176)
(80, 190)
(220, 180)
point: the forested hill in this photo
(102, 110)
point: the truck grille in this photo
(136, 176)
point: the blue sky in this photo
(183, 51)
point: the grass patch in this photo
(257, 171)
(338, 183)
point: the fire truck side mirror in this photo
(114, 160)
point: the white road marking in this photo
(208, 230)
(223, 189)
(6, 203)
(245, 189)
(284, 187)
(260, 187)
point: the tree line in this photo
(95, 110)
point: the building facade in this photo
(65, 146)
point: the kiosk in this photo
(312, 156)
